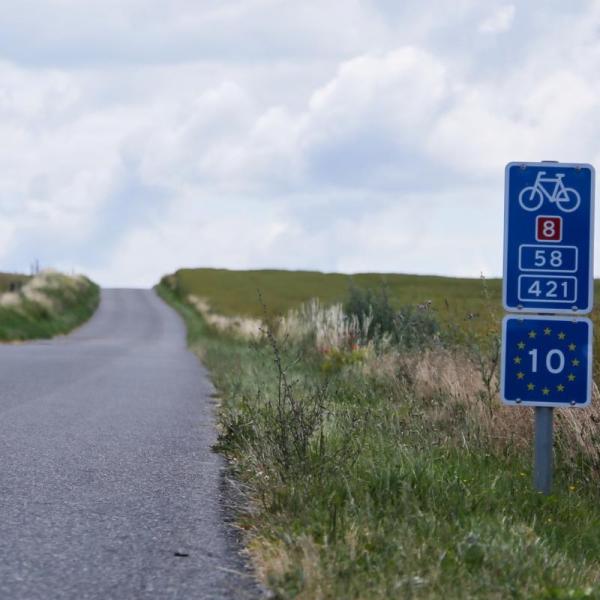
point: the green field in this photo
(392, 471)
(234, 293)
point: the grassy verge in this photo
(47, 305)
(397, 475)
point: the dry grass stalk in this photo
(453, 377)
(244, 327)
(329, 326)
(270, 559)
(10, 299)
(35, 290)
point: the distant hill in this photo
(236, 292)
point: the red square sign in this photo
(548, 229)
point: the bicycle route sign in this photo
(548, 238)
(547, 361)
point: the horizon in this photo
(141, 137)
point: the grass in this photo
(233, 293)
(413, 484)
(47, 305)
(467, 307)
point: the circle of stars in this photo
(571, 364)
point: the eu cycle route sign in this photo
(547, 361)
(548, 238)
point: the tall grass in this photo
(394, 475)
(328, 327)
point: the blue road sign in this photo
(546, 361)
(548, 238)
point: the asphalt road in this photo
(106, 470)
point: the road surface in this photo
(106, 472)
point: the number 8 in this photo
(549, 229)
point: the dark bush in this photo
(365, 304)
(410, 327)
(416, 327)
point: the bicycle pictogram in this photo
(566, 199)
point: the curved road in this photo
(106, 472)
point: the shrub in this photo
(416, 327)
(371, 308)
(411, 327)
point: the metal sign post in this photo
(542, 471)
(548, 274)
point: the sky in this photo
(141, 136)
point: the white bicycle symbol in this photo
(532, 196)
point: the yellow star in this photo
(560, 387)
(575, 362)
(532, 334)
(517, 360)
(530, 387)
(520, 375)
(545, 391)
(547, 331)
(571, 377)
(572, 347)
(521, 345)
(562, 335)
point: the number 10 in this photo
(549, 360)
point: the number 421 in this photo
(552, 287)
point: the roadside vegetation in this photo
(375, 456)
(233, 293)
(45, 305)
(12, 281)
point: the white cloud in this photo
(499, 21)
(399, 90)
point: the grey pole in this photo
(542, 473)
